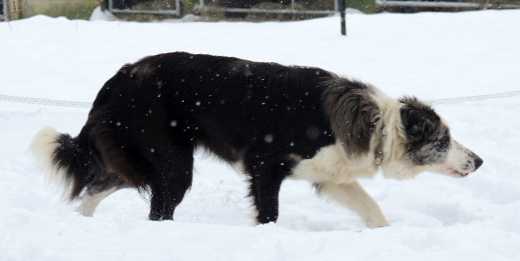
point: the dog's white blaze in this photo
(90, 202)
(459, 157)
(42, 147)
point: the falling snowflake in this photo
(268, 138)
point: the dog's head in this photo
(428, 145)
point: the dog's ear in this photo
(419, 120)
(353, 114)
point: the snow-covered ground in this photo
(432, 217)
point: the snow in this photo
(432, 217)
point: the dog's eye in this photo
(416, 130)
(443, 143)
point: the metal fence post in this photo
(341, 6)
(178, 7)
(4, 15)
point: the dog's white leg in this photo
(353, 196)
(90, 202)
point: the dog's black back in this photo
(228, 104)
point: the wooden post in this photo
(14, 9)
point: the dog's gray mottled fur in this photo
(353, 114)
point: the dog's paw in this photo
(377, 223)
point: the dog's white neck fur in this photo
(391, 134)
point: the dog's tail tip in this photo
(45, 147)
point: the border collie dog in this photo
(273, 121)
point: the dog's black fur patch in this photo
(148, 119)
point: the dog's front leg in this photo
(353, 196)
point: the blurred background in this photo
(252, 10)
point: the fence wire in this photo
(44, 101)
(483, 97)
(87, 105)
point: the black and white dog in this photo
(273, 121)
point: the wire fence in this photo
(165, 7)
(296, 7)
(86, 105)
(44, 101)
(447, 5)
(266, 10)
(455, 100)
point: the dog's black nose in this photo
(478, 162)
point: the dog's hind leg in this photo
(353, 196)
(89, 202)
(174, 170)
(97, 191)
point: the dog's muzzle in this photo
(474, 162)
